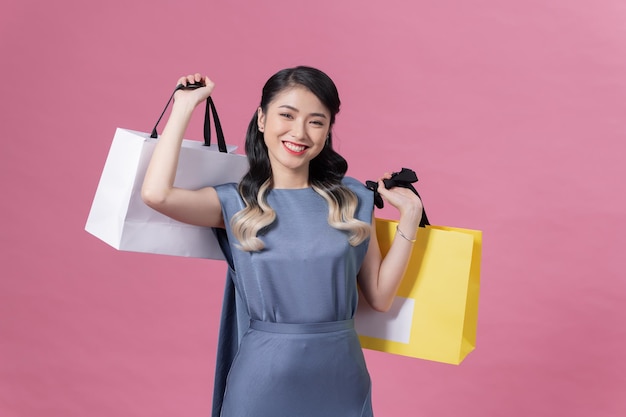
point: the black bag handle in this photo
(210, 110)
(405, 178)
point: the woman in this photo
(301, 235)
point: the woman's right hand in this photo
(199, 207)
(195, 96)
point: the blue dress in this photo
(287, 344)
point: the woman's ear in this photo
(260, 118)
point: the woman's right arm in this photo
(198, 207)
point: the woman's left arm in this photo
(380, 278)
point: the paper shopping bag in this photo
(119, 216)
(434, 315)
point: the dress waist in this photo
(302, 328)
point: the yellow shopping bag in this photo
(435, 313)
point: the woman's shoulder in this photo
(354, 184)
(227, 189)
(363, 193)
(229, 196)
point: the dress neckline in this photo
(292, 189)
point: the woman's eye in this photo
(287, 115)
(318, 123)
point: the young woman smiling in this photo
(299, 236)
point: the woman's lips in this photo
(294, 148)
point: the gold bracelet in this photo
(402, 234)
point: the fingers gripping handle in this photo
(404, 178)
(209, 111)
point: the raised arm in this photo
(198, 207)
(380, 278)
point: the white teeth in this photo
(294, 147)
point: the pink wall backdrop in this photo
(512, 112)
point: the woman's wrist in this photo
(405, 237)
(184, 106)
(409, 222)
(412, 214)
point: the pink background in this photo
(512, 113)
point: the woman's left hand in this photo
(401, 198)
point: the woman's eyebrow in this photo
(287, 106)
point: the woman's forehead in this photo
(299, 98)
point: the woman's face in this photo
(295, 128)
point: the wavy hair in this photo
(326, 170)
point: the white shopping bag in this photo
(119, 216)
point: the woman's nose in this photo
(297, 130)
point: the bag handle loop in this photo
(405, 178)
(209, 110)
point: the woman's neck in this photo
(291, 180)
